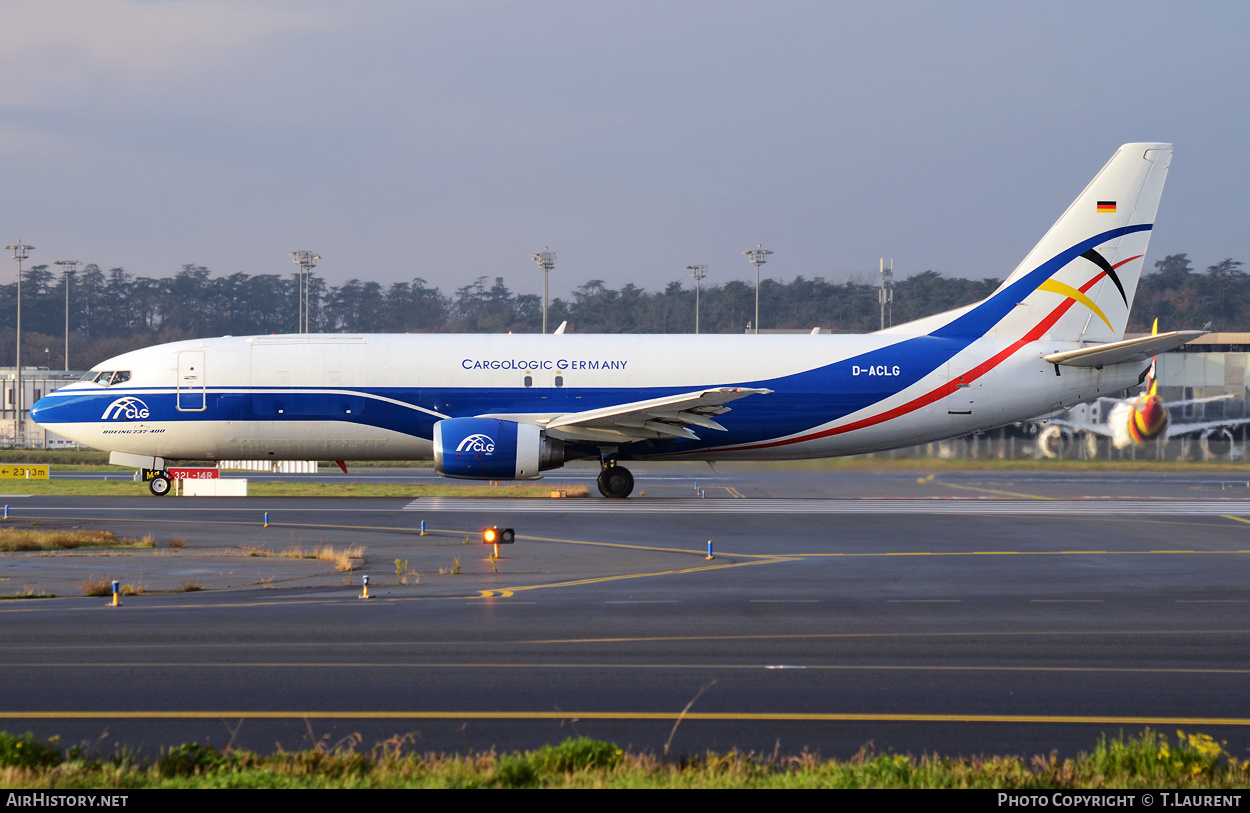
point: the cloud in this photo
(92, 51)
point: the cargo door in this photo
(963, 399)
(191, 396)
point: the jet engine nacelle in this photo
(493, 449)
(1053, 441)
(1138, 421)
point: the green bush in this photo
(27, 752)
(577, 755)
(189, 759)
(515, 771)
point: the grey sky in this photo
(451, 140)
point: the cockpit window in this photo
(108, 378)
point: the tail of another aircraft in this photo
(1078, 283)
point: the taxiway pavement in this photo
(964, 612)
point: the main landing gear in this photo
(615, 482)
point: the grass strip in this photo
(26, 539)
(341, 558)
(1146, 760)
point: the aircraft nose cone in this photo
(1149, 419)
(53, 410)
(38, 409)
(1152, 411)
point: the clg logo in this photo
(126, 409)
(476, 443)
(1054, 286)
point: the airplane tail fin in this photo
(1152, 376)
(1078, 282)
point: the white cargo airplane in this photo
(1135, 421)
(509, 407)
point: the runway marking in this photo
(348, 598)
(735, 493)
(508, 591)
(994, 491)
(650, 666)
(653, 548)
(257, 523)
(1059, 509)
(820, 636)
(774, 557)
(863, 554)
(809, 717)
(254, 509)
(823, 636)
(1066, 601)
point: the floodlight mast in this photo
(68, 267)
(306, 261)
(546, 260)
(698, 272)
(20, 252)
(757, 256)
(886, 294)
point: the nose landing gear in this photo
(159, 485)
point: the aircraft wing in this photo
(1170, 404)
(674, 416)
(1138, 349)
(1094, 428)
(1175, 430)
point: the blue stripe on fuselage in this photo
(798, 402)
(978, 321)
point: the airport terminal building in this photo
(18, 430)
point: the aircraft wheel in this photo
(615, 482)
(159, 485)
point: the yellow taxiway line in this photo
(812, 717)
(993, 491)
(719, 667)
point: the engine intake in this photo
(1138, 421)
(493, 449)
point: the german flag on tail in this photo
(1106, 207)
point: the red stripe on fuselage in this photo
(947, 388)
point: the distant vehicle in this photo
(510, 407)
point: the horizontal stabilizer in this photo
(1121, 352)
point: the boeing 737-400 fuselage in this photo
(510, 407)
